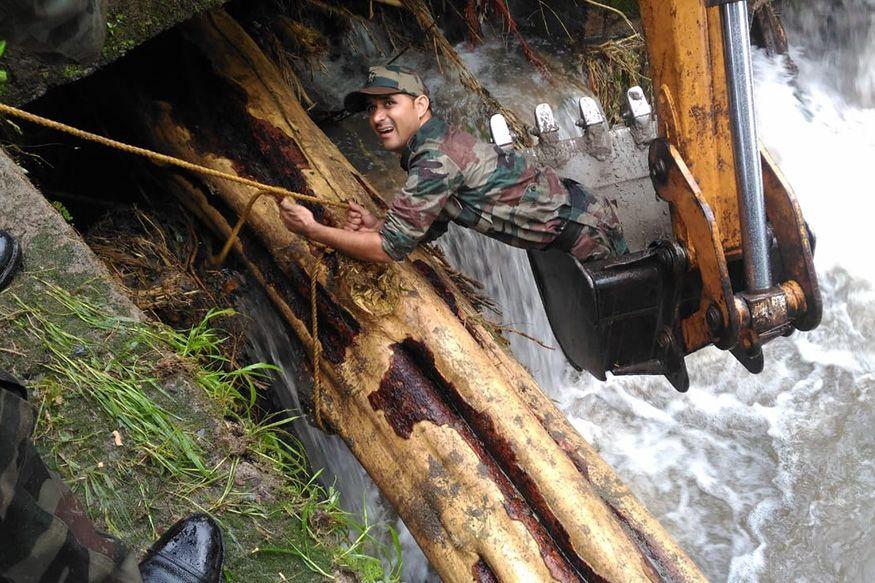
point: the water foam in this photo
(826, 146)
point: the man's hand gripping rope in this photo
(284, 197)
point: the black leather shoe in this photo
(191, 551)
(10, 258)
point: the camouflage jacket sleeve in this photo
(432, 178)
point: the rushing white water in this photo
(760, 478)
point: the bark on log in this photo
(488, 475)
(768, 30)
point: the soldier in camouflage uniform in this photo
(452, 176)
(45, 536)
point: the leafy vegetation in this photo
(115, 417)
(3, 76)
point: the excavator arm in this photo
(731, 210)
(707, 158)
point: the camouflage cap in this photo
(385, 81)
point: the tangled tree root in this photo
(612, 67)
(472, 18)
(443, 48)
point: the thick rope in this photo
(262, 190)
(158, 157)
(219, 259)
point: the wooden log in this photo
(490, 478)
(767, 28)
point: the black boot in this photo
(191, 551)
(10, 383)
(10, 258)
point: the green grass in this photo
(110, 378)
(3, 76)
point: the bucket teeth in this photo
(545, 121)
(596, 133)
(590, 113)
(610, 160)
(639, 115)
(637, 106)
(500, 131)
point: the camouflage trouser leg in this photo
(599, 242)
(44, 533)
(73, 28)
(564, 288)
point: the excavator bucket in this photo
(642, 313)
(618, 315)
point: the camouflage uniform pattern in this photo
(452, 176)
(44, 534)
(601, 234)
(73, 28)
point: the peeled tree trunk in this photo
(488, 475)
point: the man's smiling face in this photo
(396, 117)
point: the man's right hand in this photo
(297, 219)
(358, 218)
